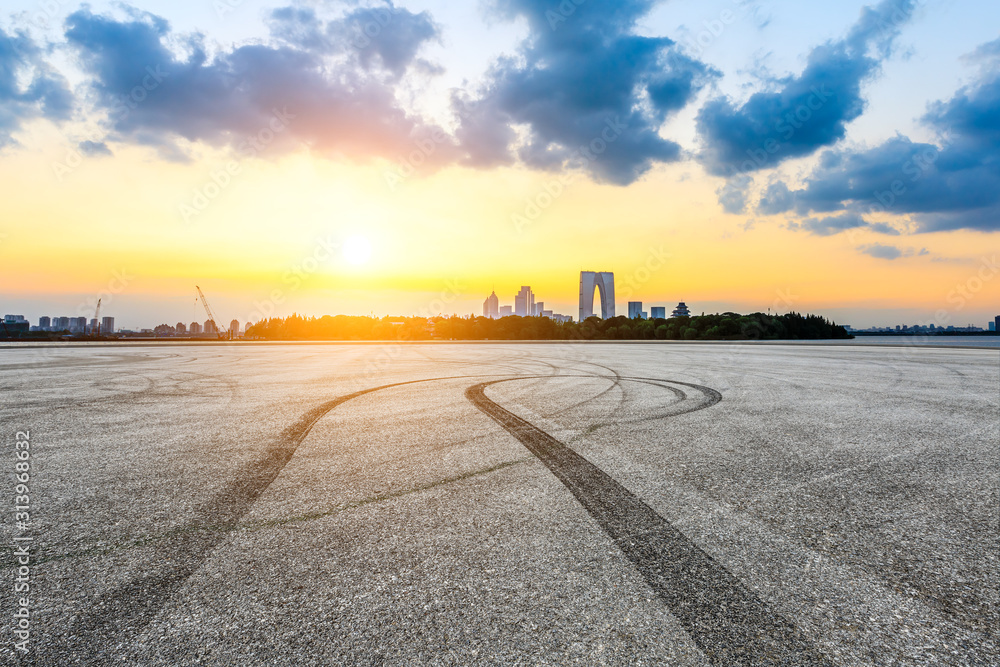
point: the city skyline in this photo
(594, 288)
(79, 326)
(714, 164)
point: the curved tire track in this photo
(123, 612)
(728, 622)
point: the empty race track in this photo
(456, 504)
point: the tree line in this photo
(725, 326)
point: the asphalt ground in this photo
(504, 504)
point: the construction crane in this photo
(97, 321)
(211, 316)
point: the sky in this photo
(408, 158)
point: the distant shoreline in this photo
(917, 334)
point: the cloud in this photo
(884, 228)
(380, 36)
(776, 199)
(985, 53)
(948, 185)
(29, 87)
(732, 197)
(584, 92)
(94, 148)
(879, 251)
(831, 225)
(807, 111)
(280, 96)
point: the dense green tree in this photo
(727, 326)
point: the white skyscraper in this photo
(524, 302)
(491, 307)
(605, 284)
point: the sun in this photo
(357, 250)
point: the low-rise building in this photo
(681, 310)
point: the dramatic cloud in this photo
(951, 185)
(585, 92)
(29, 88)
(383, 35)
(335, 101)
(808, 111)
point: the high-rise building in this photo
(195, 329)
(93, 325)
(681, 310)
(539, 307)
(658, 312)
(60, 323)
(506, 311)
(78, 324)
(605, 284)
(634, 309)
(16, 324)
(44, 323)
(181, 329)
(996, 323)
(107, 326)
(234, 329)
(491, 307)
(210, 327)
(524, 302)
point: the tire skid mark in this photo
(616, 383)
(728, 622)
(579, 404)
(123, 612)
